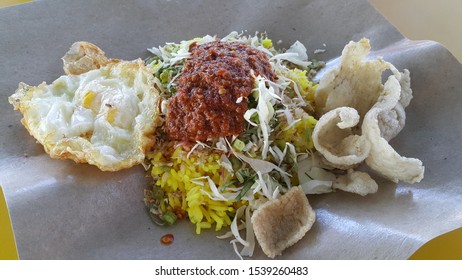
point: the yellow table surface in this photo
(444, 247)
(415, 19)
(426, 20)
(7, 244)
(5, 3)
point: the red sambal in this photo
(213, 81)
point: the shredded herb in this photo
(169, 218)
(316, 65)
(243, 174)
(308, 176)
(246, 187)
(235, 162)
(227, 184)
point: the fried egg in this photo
(105, 117)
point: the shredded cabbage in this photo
(295, 54)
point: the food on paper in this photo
(105, 117)
(240, 171)
(234, 132)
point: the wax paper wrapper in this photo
(63, 210)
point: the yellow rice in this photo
(173, 173)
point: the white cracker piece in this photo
(334, 138)
(358, 115)
(383, 158)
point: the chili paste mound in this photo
(213, 90)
